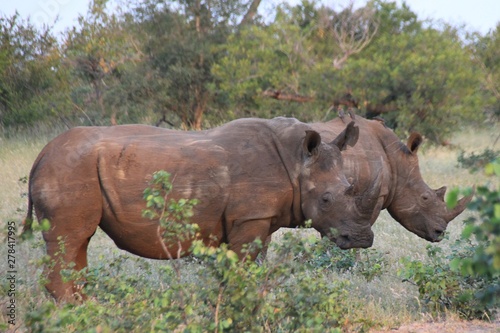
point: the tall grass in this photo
(385, 299)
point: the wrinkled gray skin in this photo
(380, 163)
(251, 177)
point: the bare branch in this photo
(251, 12)
(279, 95)
(380, 108)
(352, 30)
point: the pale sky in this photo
(479, 15)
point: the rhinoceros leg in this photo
(67, 247)
(245, 232)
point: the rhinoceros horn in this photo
(366, 200)
(459, 208)
(370, 196)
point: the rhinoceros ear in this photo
(348, 137)
(311, 143)
(414, 141)
(440, 192)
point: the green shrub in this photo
(210, 291)
(441, 288)
(368, 263)
(214, 293)
(484, 230)
(476, 162)
(467, 280)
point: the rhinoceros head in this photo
(415, 205)
(326, 196)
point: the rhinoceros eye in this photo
(326, 200)
(425, 196)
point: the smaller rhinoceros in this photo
(251, 177)
(381, 164)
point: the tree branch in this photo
(279, 95)
(352, 30)
(251, 12)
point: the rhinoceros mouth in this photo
(439, 235)
(346, 241)
(434, 232)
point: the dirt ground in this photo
(447, 327)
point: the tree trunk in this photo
(113, 117)
(251, 12)
(199, 110)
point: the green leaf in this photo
(489, 169)
(496, 263)
(452, 198)
(492, 168)
(468, 230)
(455, 264)
(45, 225)
(225, 324)
(496, 208)
(496, 167)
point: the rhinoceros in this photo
(380, 159)
(251, 177)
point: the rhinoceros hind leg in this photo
(67, 253)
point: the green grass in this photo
(386, 300)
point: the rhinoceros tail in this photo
(28, 221)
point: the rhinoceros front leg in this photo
(245, 232)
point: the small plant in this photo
(173, 216)
(369, 263)
(329, 255)
(476, 162)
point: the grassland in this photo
(387, 301)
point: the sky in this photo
(478, 15)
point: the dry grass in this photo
(386, 299)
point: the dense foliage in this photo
(221, 294)
(196, 64)
(466, 280)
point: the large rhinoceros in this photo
(251, 177)
(381, 160)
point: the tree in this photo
(270, 70)
(486, 54)
(30, 73)
(351, 30)
(419, 78)
(94, 51)
(183, 43)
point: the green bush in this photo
(484, 230)
(223, 294)
(210, 291)
(368, 263)
(467, 280)
(476, 162)
(440, 287)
